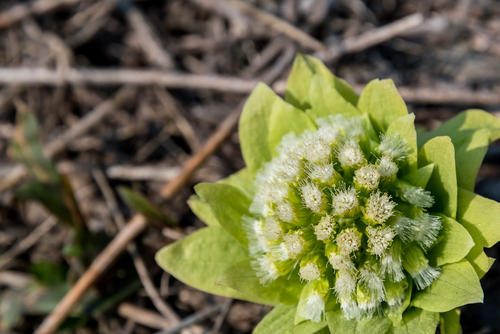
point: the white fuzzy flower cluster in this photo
(333, 208)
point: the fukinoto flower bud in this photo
(417, 265)
(343, 200)
(332, 201)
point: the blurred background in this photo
(113, 108)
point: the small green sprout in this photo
(344, 219)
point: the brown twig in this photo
(139, 264)
(143, 316)
(21, 11)
(372, 37)
(220, 134)
(143, 173)
(146, 37)
(135, 226)
(279, 25)
(25, 244)
(222, 315)
(107, 77)
(193, 319)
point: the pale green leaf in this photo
(417, 321)
(381, 100)
(338, 324)
(242, 277)
(481, 217)
(243, 180)
(469, 154)
(471, 132)
(326, 100)
(200, 258)
(278, 321)
(479, 260)
(443, 182)
(202, 210)
(229, 205)
(453, 245)
(310, 327)
(404, 126)
(396, 314)
(299, 82)
(254, 126)
(285, 119)
(472, 119)
(421, 176)
(457, 285)
(450, 322)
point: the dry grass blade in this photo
(135, 226)
(109, 77)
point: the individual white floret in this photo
(348, 240)
(321, 172)
(310, 272)
(424, 229)
(350, 308)
(314, 308)
(394, 146)
(312, 197)
(344, 201)
(328, 133)
(288, 168)
(349, 127)
(405, 228)
(390, 263)
(314, 148)
(350, 155)
(379, 239)
(368, 303)
(345, 284)
(427, 230)
(371, 278)
(379, 207)
(341, 262)
(367, 177)
(386, 167)
(265, 269)
(353, 127)
(285, 212)
(418, 197)
(272, 229)
(324, 229)
(417, 265)
(254, 229)
(292, 246)
(425, 277)
(276, 192)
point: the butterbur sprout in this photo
(343, 219)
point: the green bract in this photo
(343, 219)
